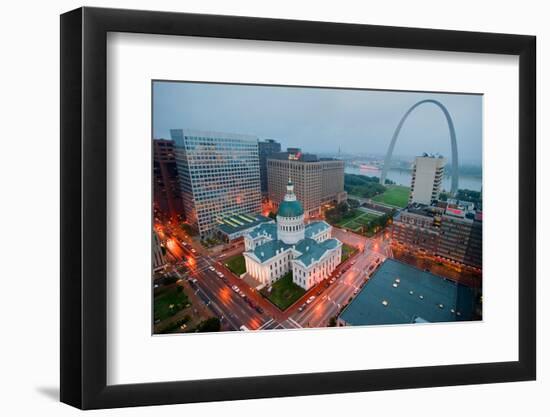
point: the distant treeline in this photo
(470, 170)
(475, 197)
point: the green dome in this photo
(290, 209)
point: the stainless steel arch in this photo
(452, 134)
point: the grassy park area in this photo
(395, 195)
(168, 301)
(284, 292)
(236, 264)
(355, 219)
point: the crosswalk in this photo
(273, 324)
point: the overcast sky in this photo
(321, 120)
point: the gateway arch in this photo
(452, 134)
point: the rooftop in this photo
(269, 249)
(239, 222)
(398, 293)
(315, 228)
(265, 229)
(310, 250)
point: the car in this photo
(301, 308)
(220, 274)
(310, 299)
(211, 268)
(243, 295)
(259, 309)
(356, 291)
(235, 288)
(243, 328)
(319, 292)
(193, 250)
(194, 280)
(332, 280)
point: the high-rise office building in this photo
(166, 189)
(316, 181)
(449, 231)
(427, 175)
(266, 148)
(159, 260)
(461, 237)
(219, 176)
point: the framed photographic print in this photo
(257, 208)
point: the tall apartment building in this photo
(166, 190)
(266, 148)
(316, 181)
(219, 176)
(427, 176)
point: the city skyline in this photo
(363, 121)
(250, 237)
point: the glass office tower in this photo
(219, 176)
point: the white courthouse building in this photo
(273, 249)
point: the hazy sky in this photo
(321, 120)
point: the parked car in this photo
(310, 299)
(211, 268)
(259, 309)
(301, 308)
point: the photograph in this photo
(301, 207)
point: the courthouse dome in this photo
(290, 209)
(290, 206)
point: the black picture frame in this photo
(84, 207)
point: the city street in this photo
(248, 308)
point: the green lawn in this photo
(284, 292)
(395, 195)
(168, 302)
(347, 251)
(236, 264)
(355, 219)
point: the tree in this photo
(211, 324)
(343, 208)
(353, 203)
(272, 215)
(333, 215)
